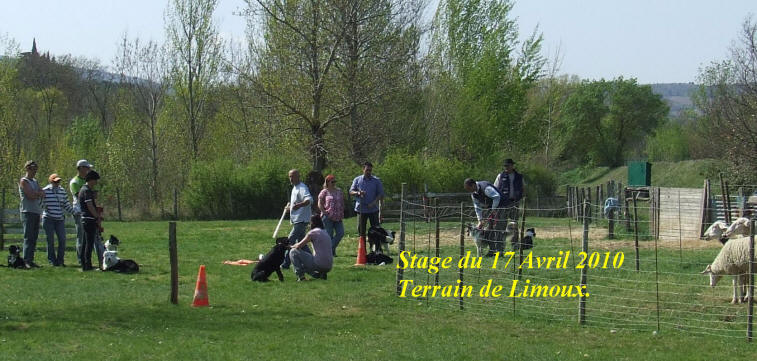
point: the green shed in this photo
(639, 174)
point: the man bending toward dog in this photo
(486, 197)
(299, 212)
(318, 264)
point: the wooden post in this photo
(175, 203)
(742, 201)
(2, 223)
(436, 238)
(611, 224)
(636, 229)
(727, 214)
(750, 309)
(704, 218)
(118, 203)
(567, 198)
(585, 249)
(462, 254)
(628, 211)
(400, 271)
(727, 204)
(521, 233)
(173, 254)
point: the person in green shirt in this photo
(82, 167)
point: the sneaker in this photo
(34, 265)
(301, 278)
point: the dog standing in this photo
(479, 236)
(379, 238)
(527, 242)
(271, 262)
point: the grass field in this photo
(63, 314)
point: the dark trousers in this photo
(362, 220)
(90, 233)
(498, 220)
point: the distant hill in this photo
(677, 95)
(687, 174)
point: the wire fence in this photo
(647, 277)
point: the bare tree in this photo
(143, 70)
(195, 54)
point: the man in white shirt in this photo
(299, 212)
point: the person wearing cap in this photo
(54, 221)
(82, 168)
(509, 183)
(331, 204)
(487, 198)
(89, 217)
(31, 208)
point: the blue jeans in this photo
(79, 235)
(53, 227)
(335, 230)
(30, 223)
(295, 235)
(304, 262)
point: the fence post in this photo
(628, 212)
(173, 254)
(750, 309)
(567, 199)
(118, 203)
(462, 254)
(436, 236)
(611, 224)
(175, 203)
(521, 233)
(723, 196)
(636, 230)
(680, 230)
(657, 275)
(728, 202)
(2, 223)
(585, 249)
(400, 271)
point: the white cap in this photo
(83, 163)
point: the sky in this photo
(654, 41)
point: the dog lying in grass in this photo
(111, 261)
(14, 258)
(271, 262)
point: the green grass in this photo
(63, 314)
(685, 174)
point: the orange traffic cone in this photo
(361, 252)
(201, 290)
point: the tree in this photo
(195, 54)
(483, 74)
(144, 73)
(728, 102)
(294, 67)
(607, 119)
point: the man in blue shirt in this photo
(369, 194)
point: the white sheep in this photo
(715, 231)
(733, 259)
(741, 226)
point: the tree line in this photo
(326, 85)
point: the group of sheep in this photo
(733, 258)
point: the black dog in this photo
(527, 242)
(271, 262)
(377, 238)
(378, 258)
(14, 258)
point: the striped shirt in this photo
(56, 200)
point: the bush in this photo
(219, 190)
(437, 173)
(669, 143)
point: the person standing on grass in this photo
(31, 208)
(487, 198)
(331, 204)
(54, 221)
(299, 212)
(509, 183)
(82, 168)
(369, 193)
(90, 217)
(319, 264)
